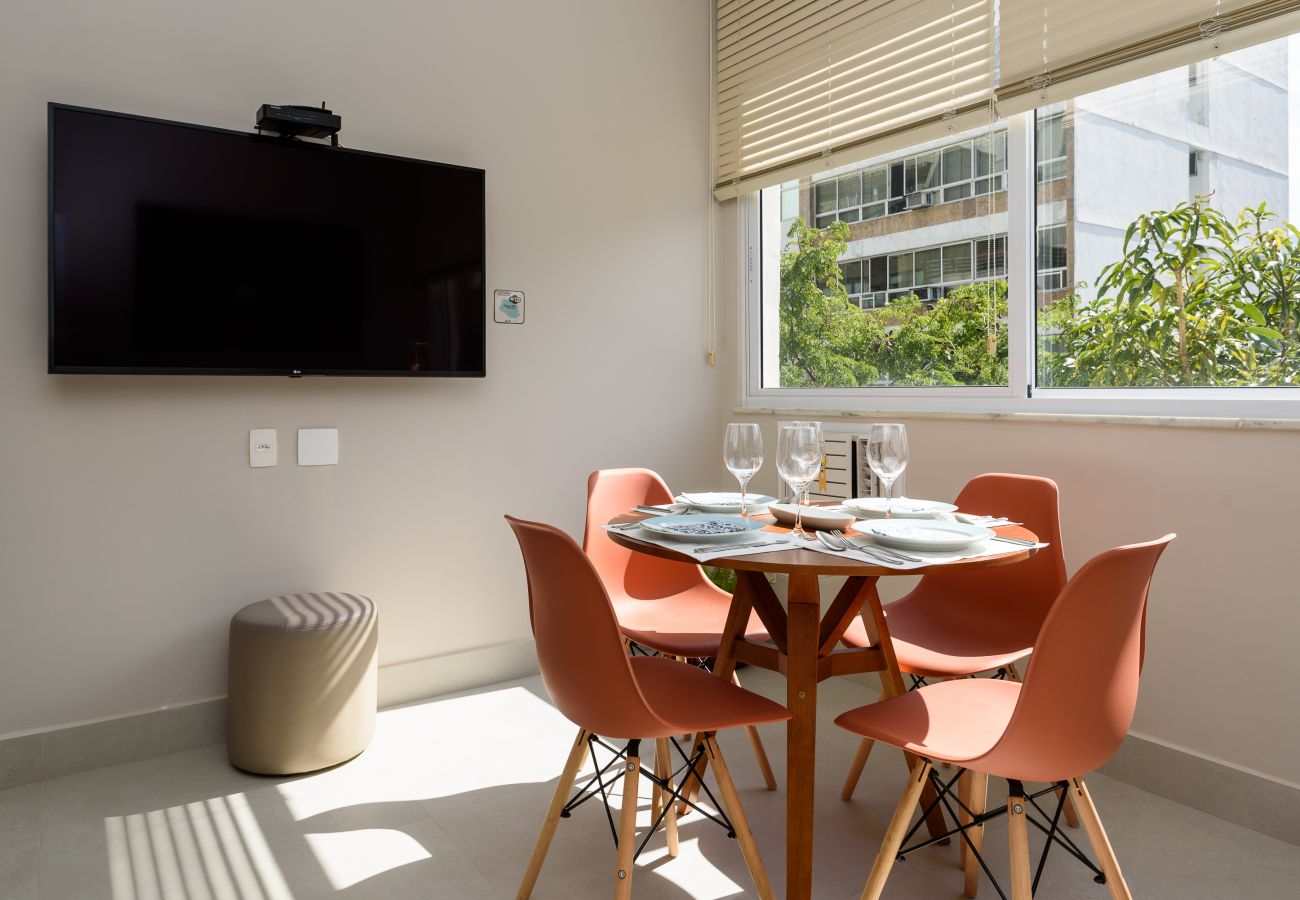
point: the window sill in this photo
(1211, 422)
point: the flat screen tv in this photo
(183, 249)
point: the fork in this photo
(717, 547)
(878, 551)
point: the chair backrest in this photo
(613, 492)
(1081, 686)
(579, 647)
(1017, 596)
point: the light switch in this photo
(318, 446)
(261, 447)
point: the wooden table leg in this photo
(803, 626)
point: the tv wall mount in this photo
(292, 122)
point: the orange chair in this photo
(1066, 719)
(953, 625)
(596, 685)
(668, 607)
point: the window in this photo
(929, 247)
(1122, 315)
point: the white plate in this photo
(926, 535)
(709, 528)
(903, 508)
(813, 517)
(724, 501)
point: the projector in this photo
(298, 121)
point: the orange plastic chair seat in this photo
(697, 700)
(686, 624)
(943, 648)
(952, 721)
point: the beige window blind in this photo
(1051, 50)
(806, 84)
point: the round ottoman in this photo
(302, 682)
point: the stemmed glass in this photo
(798, 459)
(742, 451)
(817, 427)
(887, 456)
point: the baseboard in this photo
(435, 675)
(1250, 799)
(66, 750)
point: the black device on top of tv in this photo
(185, 249)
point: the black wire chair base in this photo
(597, 785)
(1055, 836)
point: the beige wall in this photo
(130, 524)
(1222, 670)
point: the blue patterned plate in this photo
(702, 529)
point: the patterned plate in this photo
(702, 529)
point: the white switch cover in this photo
(318, 446)
(261, 447)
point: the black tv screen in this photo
(183, 249)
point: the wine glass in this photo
(742, 451)
(887, 456)
(817, 427)
(798, 459)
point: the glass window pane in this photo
(900, 270)
(880, 273)
(875, 211)
(927, 266)
(875, 184)
(957, 163)
(850, 191)
(956, 262)
(927, 171)
(988, 161)
(853, 277)
(824, 192)
(909, 176)
(849, 215)
(823, 221)
(956, 192)
(990, 257)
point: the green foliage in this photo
(1197, 299)
(723, 578)
(827, 341)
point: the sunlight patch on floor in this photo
(350, 857)
(691, 871)
(443, 748)
(206, 849)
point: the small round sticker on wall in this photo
(509, 307)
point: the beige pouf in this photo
(302, 682)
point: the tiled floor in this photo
(447, 801)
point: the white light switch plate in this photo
(261, 447)
(318, 446)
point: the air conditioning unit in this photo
(921, 199)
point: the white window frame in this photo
(1021, 394)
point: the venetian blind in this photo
(805, 84)
(1051, 50)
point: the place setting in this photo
(711, 524)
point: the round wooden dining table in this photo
(804, 645)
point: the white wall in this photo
(1221, 669)
(130, 524)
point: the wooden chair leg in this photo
(736, 813)
(1100, 843)
(1068, 811)
(1018, 839)
(859, 761)
(661, 772)
(855, 768)
(756, 742)
(979, 795)
(552, 819)
(896, 831)
(963, 817)
(627, 829)
(664, 769)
